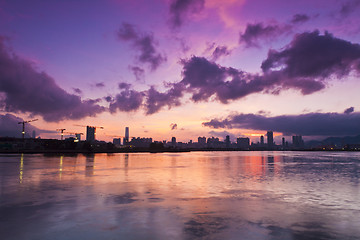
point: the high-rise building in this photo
(227, 141)
(90, 133)
(127, 136)
(283, 142)
(262, 140)
(270, 138)
(297, 141)
(33, 134)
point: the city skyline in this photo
(181, 68)
(127, 143)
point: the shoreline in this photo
(165, 151)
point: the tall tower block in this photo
(90, 133)
(127, 135)
(270, 138)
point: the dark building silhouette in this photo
(262, 140)
(141, 142)
(283, 142)
(214, 142)
(78, 136)
(173, 141)
(270, 139)
(297, 141)
(117, 141)
(243, 143)
(90, 133)
(227, 141)
(127, 136)
(202, 140)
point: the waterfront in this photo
(209, 195)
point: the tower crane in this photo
(23, 126)
(62, 132)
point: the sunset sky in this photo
(183, 68)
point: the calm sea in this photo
(197, 195)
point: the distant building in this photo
(270, 139)
(78, 136)
(227, 141)
(262, 140)
(202, 140)
(297, 141)
(243, 143)
(33, 134)
(117, 141)
(141, 142)
(90, 133)
(283, 142)
(173, 141)
(214, 142)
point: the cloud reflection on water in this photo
(228, 195)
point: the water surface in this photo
(197, 195)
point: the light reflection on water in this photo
(211, 195)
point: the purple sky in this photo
(208, 67)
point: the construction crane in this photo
(62, 132)
(118, 136)
(23, 126)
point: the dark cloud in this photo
(204, 79)
(127, 100)
(310, 124)
(9, 127)
(220, 51)
(256, 32)
(173, 126)
(144, 43)
(124, 85)
(349, 7)
(349, 110)
(181, 9)
(100, 85)
(138, 72)
(300, 18)
(306, 65)
(150, 100)
(311, 55)
(77, 90)
(157, 100)
(108, 99)
(24, 89)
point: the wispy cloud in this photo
(144, 43)
(182, 9)
(254, 33)
(173, 126)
